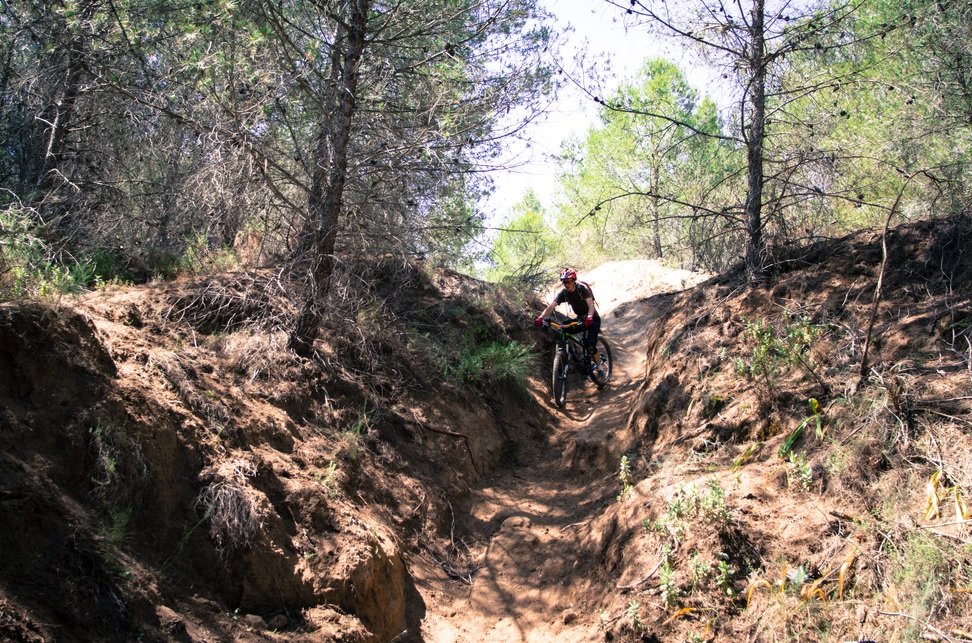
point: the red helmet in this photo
(568, 273)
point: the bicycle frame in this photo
(568, 342)
(571, 352)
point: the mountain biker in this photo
(580, 297)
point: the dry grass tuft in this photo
(234, 522)
(259, 355)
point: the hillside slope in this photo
(170, 472)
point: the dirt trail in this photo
(529, 530)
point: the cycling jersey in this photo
(578, 299)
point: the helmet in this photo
(568, 273)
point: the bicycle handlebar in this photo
(568, 326)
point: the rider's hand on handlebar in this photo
(538, 322)
(588, 321)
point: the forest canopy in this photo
(144, 139)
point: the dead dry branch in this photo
(227, 303)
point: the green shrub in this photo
(494, 362)
(31, 266)
(200, 258)
(709, 506)
(773, 349)
(920, 567)
(626, 478)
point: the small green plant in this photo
(118, 525)
(723, 577)
(815, 417)
(627, 481)
(762, 360)
(700, 568)
(750, 451)
(741, 366)
(713, 504)
(838, 460)
(771, 350)
(493, 362)
(919, 567)
(709, 505)
(363, 423)
(674, 518)
(633, 613)
(799, 471)
(329, 480)
(353, 436)
(667, 585)
(119, 466)
(796, 578)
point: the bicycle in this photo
(570, 352)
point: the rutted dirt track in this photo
(531, 538)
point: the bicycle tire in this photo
(601, 378)
(558, 384)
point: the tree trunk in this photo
(59, 113)
(655, 210)
(313, 257)
(754, 133)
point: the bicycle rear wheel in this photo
(559, 379)
(602, 376)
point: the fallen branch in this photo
(574, 524)
(862, 373)
(880, 282)
(934, 529)
(643, 580)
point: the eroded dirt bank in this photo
(170, 472)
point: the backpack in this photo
(588, 286)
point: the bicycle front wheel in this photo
(559, 380)
(602, 375)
